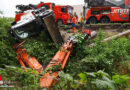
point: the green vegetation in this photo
(42, 50)
(92, 68)
(95, 67)
(7, 54)
(20, 77)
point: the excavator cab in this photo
(23, 32)
(31, 19)
(30, 23)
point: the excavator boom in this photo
(60, 58)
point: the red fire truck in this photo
(107, 14)
(63, 14)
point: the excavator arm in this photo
(60, 58)
(25, 60)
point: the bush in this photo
(20, 77)
(102, 56)
(7, 53)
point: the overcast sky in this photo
(8, 6)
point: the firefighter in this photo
(81, 20)
(74, 24)
(76, 17)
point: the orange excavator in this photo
(31, 24)
(60, 58)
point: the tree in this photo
(1, 12)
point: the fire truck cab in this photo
(63, 14)
(127, 4)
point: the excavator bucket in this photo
(53, 29)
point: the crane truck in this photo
(97, 11)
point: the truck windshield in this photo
(63, 9)
(70, 10)
(27, 30)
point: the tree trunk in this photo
(126, 33)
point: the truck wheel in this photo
(92, 20)
(105, 20)
(59, 22)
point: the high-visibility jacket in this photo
(81, 19)
(74, 20)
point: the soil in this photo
(66, 34)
